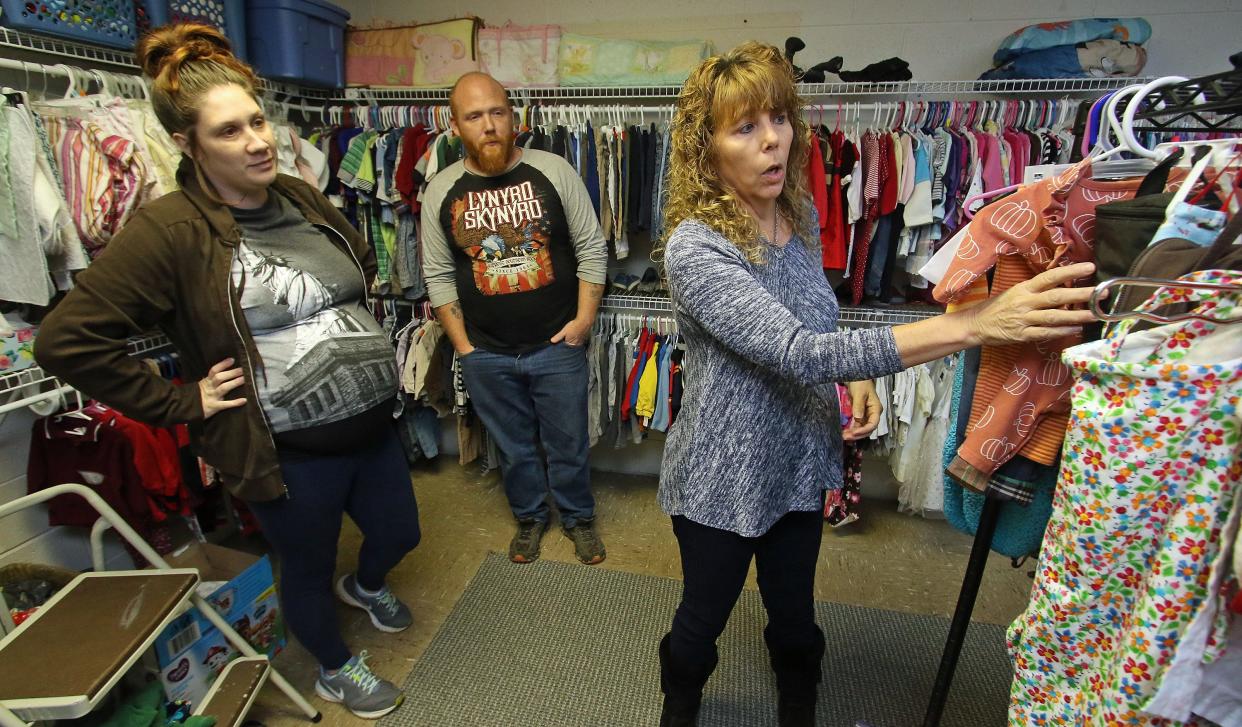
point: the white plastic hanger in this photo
(1127, 124)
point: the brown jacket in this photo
(170, 268)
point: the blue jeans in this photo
(537, 398)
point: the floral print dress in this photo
(1134, 549)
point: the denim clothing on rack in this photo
(648, 180)
(876, 254)
(889, 263)
(658, 192)
(533, 400)
(419, 427)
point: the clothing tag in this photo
(1036, 172)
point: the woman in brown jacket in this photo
(261, 284)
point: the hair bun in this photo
(173, 45)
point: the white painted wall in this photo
(942, 39)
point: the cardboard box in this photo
(191, 652)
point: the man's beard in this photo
(490, 160)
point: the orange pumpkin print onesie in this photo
(1021, 403)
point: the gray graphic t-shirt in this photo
(325, 358)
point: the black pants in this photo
(714, 564)
(373, 487)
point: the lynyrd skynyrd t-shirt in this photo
(511, 248)
(324, 356)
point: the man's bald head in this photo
(483, 118)
(472, 83)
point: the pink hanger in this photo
(985, 195)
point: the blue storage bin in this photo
(301, 41)
(227, 15)
(99, 22)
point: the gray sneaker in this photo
(362, 693)
(387, 613)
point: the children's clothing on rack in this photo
(1020, 403)
(887, 198)
(634, 377)
(1128, 616)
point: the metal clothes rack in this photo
(1169, 107)
(849, 316)
(806, 90)
(15, 384)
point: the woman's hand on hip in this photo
(214, 387)
(867, 408)
(1033, 310)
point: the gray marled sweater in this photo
(759, 433)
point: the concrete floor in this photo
(887, 560)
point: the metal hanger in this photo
(1099, 294)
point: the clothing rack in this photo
(13, 384)
(1213, 100)
(83, 53)
(1080, 86)
(1167, 106)
(849, 316)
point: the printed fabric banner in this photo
(380, 56)
(521, 55)
(446, 51)
(588, 61)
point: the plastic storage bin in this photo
(99, 22)
(227, 15)
(302, 41)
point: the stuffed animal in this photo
(889, 69)
(817, 73)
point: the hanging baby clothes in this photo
(834, 238)
(841, 505)
(26, 277)
(1150, 474)
(1021, 402)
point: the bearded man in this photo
(515, 262)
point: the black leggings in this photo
(373, 486)
(714, 564)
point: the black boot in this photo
(797, 675)
(682, 687)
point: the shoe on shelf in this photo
(650, 282)
(587, 545)
(359, 689)
(524, 548)
(386, 612)
(623, 284)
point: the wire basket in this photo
(15, 573)
(100, 22)
(227, 15)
